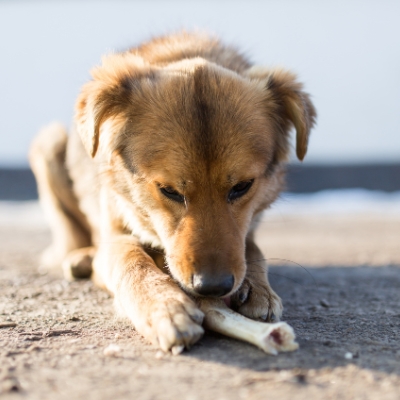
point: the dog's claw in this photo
(195, 314)
(243, 297)
(269, 317)
(177, 350)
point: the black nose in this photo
(216, 286)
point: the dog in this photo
(177, 148)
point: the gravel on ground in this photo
(338, 276)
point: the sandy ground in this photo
(342, 298)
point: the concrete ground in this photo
(338, 276)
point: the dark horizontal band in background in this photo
(313, 178)
(19, 184)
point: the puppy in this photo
(177, 148)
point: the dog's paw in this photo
(175, 324)
(78, 263)
(257, 301)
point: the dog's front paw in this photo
(174, 324)
(257, 301)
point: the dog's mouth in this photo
(227, 301)
(199, 287)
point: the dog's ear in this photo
(106, 95)
(288, 105)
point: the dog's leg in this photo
(47, 159)
(155, 304)
(255, 298)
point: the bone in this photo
(270, 337)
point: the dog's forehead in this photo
(202, 175)
(203, 119)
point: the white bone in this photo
(270, 337)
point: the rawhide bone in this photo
(270, 337)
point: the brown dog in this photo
(178, 147)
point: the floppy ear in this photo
(107, 95)
(288, 105)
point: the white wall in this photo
(346, 52)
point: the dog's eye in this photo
(239, 190)
(172, 194)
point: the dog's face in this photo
(197, 149)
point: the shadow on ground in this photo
(341, 315)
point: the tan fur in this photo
(186, 113)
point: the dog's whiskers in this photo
(285, 260)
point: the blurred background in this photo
(347, 53)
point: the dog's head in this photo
(198, 151)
